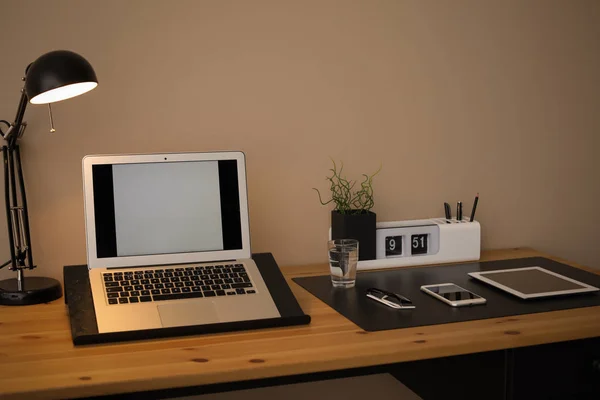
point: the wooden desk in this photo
(38, 359)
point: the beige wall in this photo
(454, 98)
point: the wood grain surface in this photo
(38, 359)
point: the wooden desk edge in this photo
(364, 349)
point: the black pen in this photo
(448, 212)
(474, 207)
(459, 211)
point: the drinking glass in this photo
(343, 260)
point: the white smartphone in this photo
(453, 295)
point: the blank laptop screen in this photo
(166, 208)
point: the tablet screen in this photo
(531, 281)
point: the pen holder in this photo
(425, 241)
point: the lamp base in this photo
(36, 290)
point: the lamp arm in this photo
(12, 134)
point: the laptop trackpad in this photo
(189, 313)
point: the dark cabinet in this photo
(472, 376)
(566, 370)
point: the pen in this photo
(448, 212)
(474, 207)
(459, 211)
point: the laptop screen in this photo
(166, 207)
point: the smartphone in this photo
(453, 294)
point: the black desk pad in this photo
(372, 316)
(84, 328)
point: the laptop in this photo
(168, 241)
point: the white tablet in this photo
(532, 282)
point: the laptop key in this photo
(241, 285)
(186, 290)
(169, 285)
(139, 287)
(114, 289)
(220, 293)
(219, 281)
(250, 291)
(155, 291)
(145, 299)
(128, 288)
(165, 291)
(135, 293)
(124, 282)
(195, 278)
(240, 291)
(124, 294)
(209, 282)
(145, 293)
(179, 284)
(214, 276)
(112, 295)
(111, 284)
(148, 287)
(159, 286)
(238, 269)
(145, 281)
(205, 288)
(238, 280)
(108, 278)
(209, 293)
(189, 284)
(155, 280)
(230, 293)
(123, 300)
(135, 282)
(226, 286)
(195, 289)
(215, 287)
(185, 279)
(228, 280)
(175, 279)
(113, 301)
(134, 300)
(176, 290)
(160, 297)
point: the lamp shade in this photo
(59, 75)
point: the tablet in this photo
(532, 282)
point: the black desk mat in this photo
(84, 328)
(372, 316)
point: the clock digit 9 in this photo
(393, 246)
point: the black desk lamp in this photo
(55, 76)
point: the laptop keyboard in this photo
(176, 283)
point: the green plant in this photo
(347, 200)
